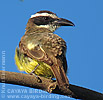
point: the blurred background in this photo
(84, 42)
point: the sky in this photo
(84, 42)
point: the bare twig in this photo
(43, 84)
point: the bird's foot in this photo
(52, 87)
(33, 73)
(38, 79)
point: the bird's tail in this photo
(60, 74)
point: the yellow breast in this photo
(27, 64)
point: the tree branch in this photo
(43, 84)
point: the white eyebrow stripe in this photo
(43, 14)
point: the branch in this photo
(43, 84)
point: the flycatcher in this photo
(41, 51)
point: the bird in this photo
(40, 51)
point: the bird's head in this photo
(47, 20)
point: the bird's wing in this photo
(31, 45)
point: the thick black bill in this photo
(64, 22)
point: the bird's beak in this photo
(63, 22)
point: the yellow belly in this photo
(27, 64)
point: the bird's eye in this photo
(46, 18)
